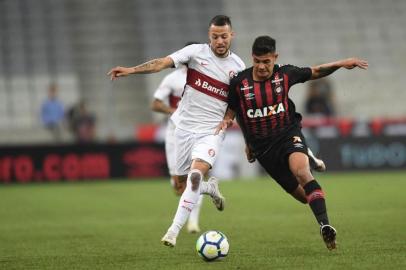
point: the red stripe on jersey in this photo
(258, 96)
(286, 92)
(269, 96)
(260, 104)
(173, 101)
(207, 85)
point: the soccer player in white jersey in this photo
(166, 99)
(202, 107)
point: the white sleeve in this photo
(164, 89)
(184, 55)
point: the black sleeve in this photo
(232, 99)
(297, 74)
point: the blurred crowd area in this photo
(71, 44)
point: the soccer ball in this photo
(212, 245)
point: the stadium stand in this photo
(76, 42)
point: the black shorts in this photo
(275, 159)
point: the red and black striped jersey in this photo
(263, 108)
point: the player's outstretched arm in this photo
(226, 122)
(328, 68)
(152, 66)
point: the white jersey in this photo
(171, 88)
(204, 100)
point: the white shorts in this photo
(190, 146)
(170, 147)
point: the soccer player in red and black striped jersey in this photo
(258, 98)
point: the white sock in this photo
(187, 202)
(194, 215)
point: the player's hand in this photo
(116, 72)
(351, 63)
(223, 125)
(250, 155)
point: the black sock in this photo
(315, 198)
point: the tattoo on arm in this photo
(323, 71)
(148, 67)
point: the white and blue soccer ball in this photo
(212, 245)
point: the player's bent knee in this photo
(195, 178)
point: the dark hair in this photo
(220, 20)
(263, 45)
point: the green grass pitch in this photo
(118, 225)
